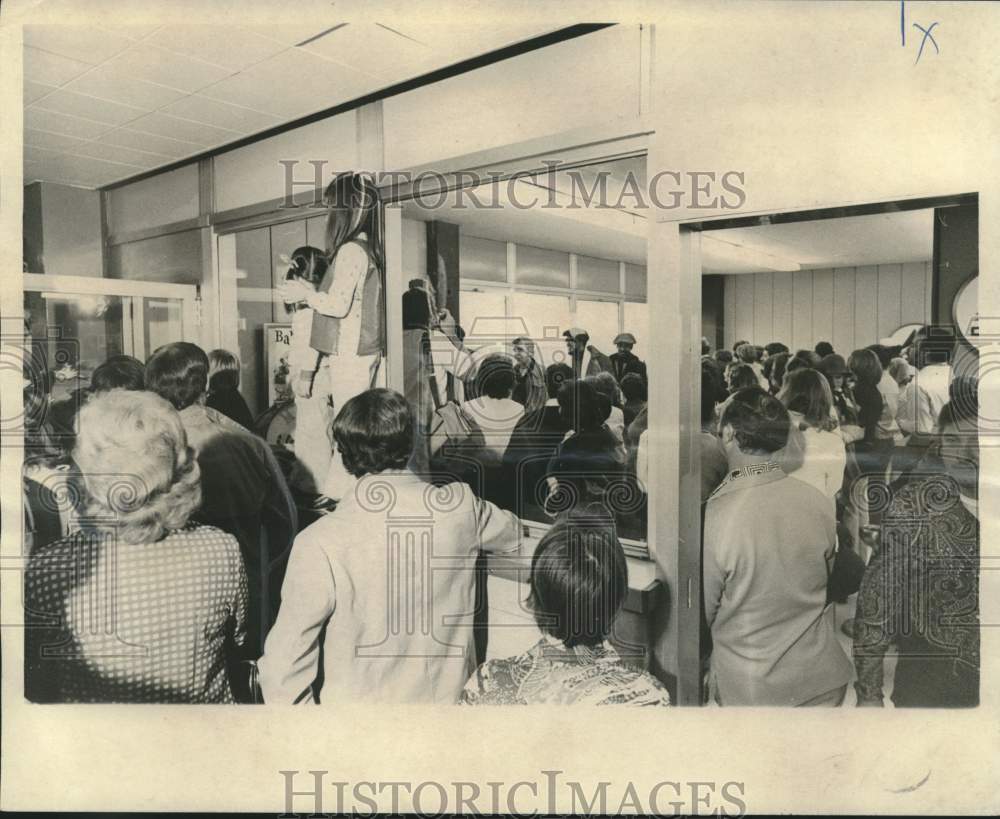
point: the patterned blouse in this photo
(550, 674)
(134, 623)
(921, 593)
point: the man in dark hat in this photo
(625, 361)
(583, 358)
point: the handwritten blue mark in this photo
(927, 36)
(902, 22)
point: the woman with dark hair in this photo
(590, 459)
(742, 377)
(224, 388)
(774, 370)
(178, 590)
(579, 580)
(344, 634)
(837, 375)
(815, 452)
(348, 322)
(118, 372)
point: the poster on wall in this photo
(277, 343)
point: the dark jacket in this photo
(624, 363)
(231, 404)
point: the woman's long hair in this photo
(807, 392)
(355, 207)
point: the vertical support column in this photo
(674, 295)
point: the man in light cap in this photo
(583, 358)
(625, 361)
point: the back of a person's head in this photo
(309, 264)
(606, 384)
(495, 377)
(806, 358)
(823, 349)
(723, 356)
(223, 370)
(866, 367)
(742, 376)
(807, 392)
(178, 372)
(777, 365)
(579, 578)
(555, 376)
(706, 348)
(119, 372)
(139, 472)
(746, 353)
(759, 421)
(374, 432)
(738, 344)
(634, 387)
(604, 401)
(775, 347)
(883, 353)
(581, 406)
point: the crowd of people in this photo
(832, 480)
(175, 556)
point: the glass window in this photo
(483, 317)
(597, 274)
(635, 280)
(159, 200)
(542, 268)
(163, 322)
(637, 323)
(254, 308)
(174, 258)
(544, 319)
(91, 330)
(482, 259)
(600, 320)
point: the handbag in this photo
(845, 576)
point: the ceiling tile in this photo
(306, 82)
(116, 153)
(108, 83)
(34, 154)
(51, 69)
(88, 44)
(35, 91)
(221, 114)
(175, 128)
(53, 142)
(354, 45)
(164, 67)
(139, 141)
(55, 123)
(80, 105)
(229, 46)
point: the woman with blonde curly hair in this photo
(139, 605)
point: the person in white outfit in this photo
(815, 450)
(309, 374)
(348, 322)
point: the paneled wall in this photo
(850, 307)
